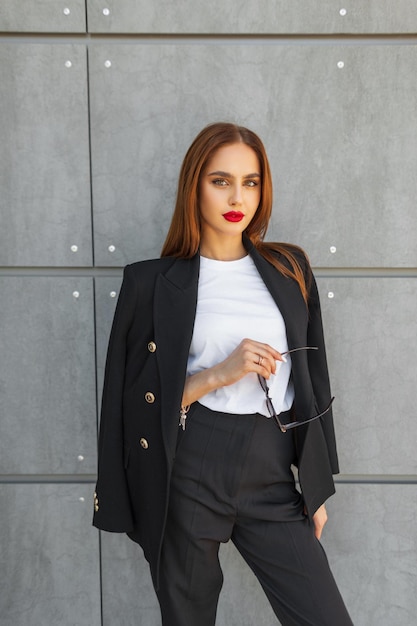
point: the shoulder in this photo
(289, 252)
(140, 277)
(283, 246)
(294, 263)
(149, 267)
(178, 270)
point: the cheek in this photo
(256, 200)
(209, 199)
(202, 201)
(205, 207)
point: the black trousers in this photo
(232, 480)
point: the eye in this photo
(252, 183)
(220, 182)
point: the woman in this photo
(197, 383)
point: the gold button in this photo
(96, 507)
(143, 442)
(152, 346)
(149, 397)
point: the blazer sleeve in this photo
(112, 510)
(319, 370)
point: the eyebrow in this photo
(228, 175)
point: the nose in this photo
(236, 196)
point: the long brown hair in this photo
(183, 238)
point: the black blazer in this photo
(144, 381)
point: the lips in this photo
(233, 216)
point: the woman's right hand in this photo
(249, 356)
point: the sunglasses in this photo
(270, 406)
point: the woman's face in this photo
(229, 192)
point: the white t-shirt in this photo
(234, 303)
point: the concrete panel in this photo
(126, 584)
(371, 329)
(342, 142)
(272, 16)
(242, 600)
(49, 571)
(42, 16)
(371, 542)
(106, 293)
(47, 373)
(44, 156)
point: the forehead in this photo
(234, 158)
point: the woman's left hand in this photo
(319, 519)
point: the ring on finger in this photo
(260, 359)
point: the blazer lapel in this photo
(290, 302)
(175, 304)
(287, 296)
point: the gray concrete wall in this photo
(99, 102)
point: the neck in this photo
(219, 251)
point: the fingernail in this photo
(283, 358)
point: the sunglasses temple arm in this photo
(297, 349)
(282, 428)
(290, 425)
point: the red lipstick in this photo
(233, 216)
